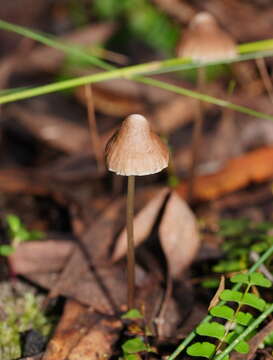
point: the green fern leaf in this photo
(212, 329)
(242, 347)
(231, 295)
(204, 349)
(222, 311)
(240, 278)
(254, 301)
(259, 280)
(243, 318)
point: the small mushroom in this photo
(134, 150)
(204, 41)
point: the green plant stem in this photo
(128, 73)
(192, 335)
(197, 133)
(130, 242)
(233, 320)
(241, 337)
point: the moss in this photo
(20, 310)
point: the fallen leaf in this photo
(111, 103)
(97, 343)
(58, 132)
(20, 180)
(89, 276)
(178, 234)
(29, 256)
(255, 166)
(71, 328)
(143, 224)
(214, 301)
(175, 113)
(82, 334)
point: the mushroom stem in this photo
(197, 133)
(130, 242)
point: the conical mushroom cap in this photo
(135, 149)
(205, 41)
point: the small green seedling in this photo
(133, 314)
(133, 348)
(18, 233)
(237, 318)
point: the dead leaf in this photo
(175, 113)
(111, 103)
(82, 334)
(254, 166)
(72, 326)
(214, 301)
(59, 133)
(178, 235)
(35, 357)
(20, 180)
(97, 343)
(143, 224)
(30, 257)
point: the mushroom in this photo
(134, 150)
(204, 41)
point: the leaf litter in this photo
(85, 263)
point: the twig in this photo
(95, 140)
(265, 77)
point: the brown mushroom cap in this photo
(205, 41)
(135, 149)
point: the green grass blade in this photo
(52, 42)
(131, 71)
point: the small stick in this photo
(130, 242)
(95, 139)
(265, 77)
(197, 133)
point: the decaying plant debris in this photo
(65, 243)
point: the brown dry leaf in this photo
(255, 166)
(89, 276)
(35, 357)
(214, 301)
(82, 334)
(57, 132)
(232, 14)
(178, 235)
(22, 181)
(41, 256)
(71, 328)
(175, 113)
(143, 224)
(182, 11)
(111, 102)
(97, 343)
